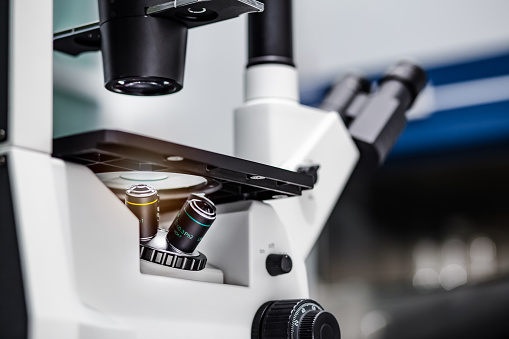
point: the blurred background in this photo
(417, 249)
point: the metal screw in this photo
(257, 177)
(175, 158)
(197, 11)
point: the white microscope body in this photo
(78, 244)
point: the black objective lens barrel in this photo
(143, 201)
(270, 34)
(191, 223)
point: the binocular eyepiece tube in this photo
(376, 120)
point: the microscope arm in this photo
(375, 128)
(273, 128)
(329, 146)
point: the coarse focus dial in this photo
(294, 319)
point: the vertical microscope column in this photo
(271, 86)
(4, 68)
(30, 123)
(271, 71)
(273, 128)
(43, 300)
(13, 312)
(270, 34)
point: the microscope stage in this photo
(116, 151)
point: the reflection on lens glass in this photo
(205, 207)
(151, 86)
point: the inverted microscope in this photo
(111, 234)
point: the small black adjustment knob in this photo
(278, 264)
(294, 319)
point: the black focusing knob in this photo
(278, 264)
(294, 319)
(319, 325)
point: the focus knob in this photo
(294, 319)
(319, 325)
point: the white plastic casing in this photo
(273, 128)
(79, 244)
(80, 248)
(30, 122)
(271, 81)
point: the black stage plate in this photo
(113, 151)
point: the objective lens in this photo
(143, 201)
(191, 223)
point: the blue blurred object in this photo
(471, 70)
(456, 128)
(464, 124)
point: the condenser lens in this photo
(142, 85)
(145, 87)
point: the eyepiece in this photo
(342, 94)
(377, 127)
(411, 75)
